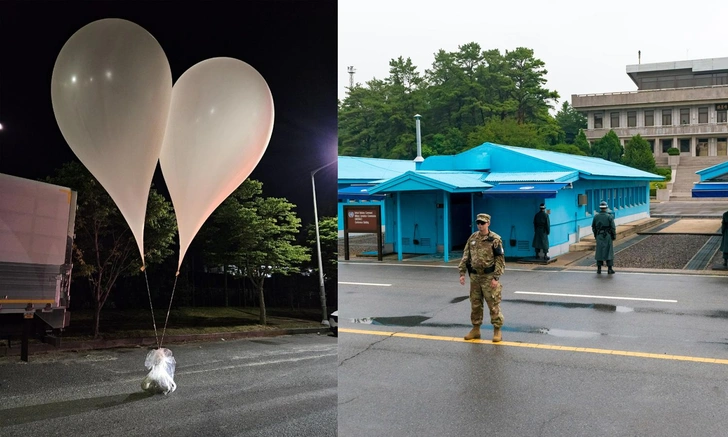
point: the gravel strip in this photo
(661, 251)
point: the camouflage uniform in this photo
(483, 253)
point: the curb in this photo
(80, 345)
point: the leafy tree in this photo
(507, 132)
(105, 249)
(449, 143)
(571, 122)
(463, 91)
(638, 154)
(260, 233)
(329, 236)
(608, 147)
(582, 143)
(566, 148)
(528, 76)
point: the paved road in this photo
(282, 386)
(630, 354)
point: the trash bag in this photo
(161, 365)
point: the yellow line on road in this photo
(540, 346)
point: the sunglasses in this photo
(480, 222)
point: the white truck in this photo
(36, 239)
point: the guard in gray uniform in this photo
(541, 230)
(605, 232)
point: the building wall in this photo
(696, 134)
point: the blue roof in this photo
(543, 176)
(713, 172)
(588, 166)
(452, 181)
(370, 169)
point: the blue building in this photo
(713, 181)
(429, 207)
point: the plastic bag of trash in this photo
(160, 379)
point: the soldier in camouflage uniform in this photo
(484, 259)
(605, 232)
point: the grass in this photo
(117, 323)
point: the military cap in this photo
(483, 217)
(542, 206)
(603, 205)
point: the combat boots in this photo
(610, 271)
(496, 334)
(599, 269)
(474, 333)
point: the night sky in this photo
(292, 44)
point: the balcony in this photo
(686, 130)
(649, 98)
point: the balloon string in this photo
(149, 293)
(174, 287)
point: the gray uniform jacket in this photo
(605, 231)
(541, 229)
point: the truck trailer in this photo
(36, 242)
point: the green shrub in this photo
(673, 151)
(666, 172)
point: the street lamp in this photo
(322, 291)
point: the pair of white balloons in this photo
(117, 109)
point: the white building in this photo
(682, 104)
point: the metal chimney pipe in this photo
(419, 157)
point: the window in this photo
(598, 120)
(722, 116)
(667, 117)
(650, 118)
(666, 144)
(702, 147)
(631, 118)
(685, 145)
(652, 145)
(614, 119)
(721, 146)
(684, 115)
(703, 114)
(589, 202)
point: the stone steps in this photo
(623, 231)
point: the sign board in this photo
(363, 219)
(721, 106)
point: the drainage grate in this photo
(705, 254)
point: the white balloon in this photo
(111, 90)
(220, 123)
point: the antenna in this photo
(639, 56)
(351, 71)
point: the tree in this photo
(528, 76)
(638, 154)
(608, 147)
(571, 122)
(259, 235)
(329, 236)
(582, 143)
(104, 248)
(507, 132)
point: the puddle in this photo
(556, 332)
(595, 306)
(459, 299)
(408, 321)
